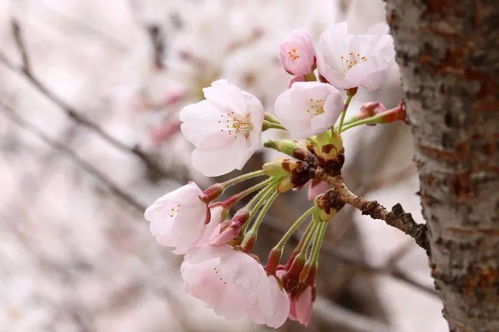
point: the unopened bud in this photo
(275, 168)
(328, 147)
(286, 146)
(328, 205)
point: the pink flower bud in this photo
(165, 131)
(297, 53)
(174, 94)
(371, 109)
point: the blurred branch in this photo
(16, 33)
(157, 40)
(66, 151)
(337, 315)
(25, 69)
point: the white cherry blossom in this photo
(178, 219)
(234, 284)
(350, 61)
(225, 128)
(308, 108)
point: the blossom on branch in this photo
(178, 218)
(297, 53)
(234, 285)
(225, 128)
(349, 61)
(308, 108)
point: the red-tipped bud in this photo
(273, 261)
(212, 192)
(248, 243)
(291, 279)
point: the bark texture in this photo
(448, 54)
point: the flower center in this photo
(352, 59)
(220, 276)
(235, 125)
(315, 107)
(292, 54)
(174, 210)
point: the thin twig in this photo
(63, 149)
(25, 69)
(337, 315)
(397, 217)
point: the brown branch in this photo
(397, 217)
(154, 168)
(63, 149)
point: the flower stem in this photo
(263, 212)
(350, 94)
(229, 202)
(318, 241)
(242, 178)
(305, 240)
(259, 199)
(268, 125)
(282, 242)
(372, 120)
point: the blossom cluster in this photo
(226, 127)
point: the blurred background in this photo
(89, 97)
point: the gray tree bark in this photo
(448, 55)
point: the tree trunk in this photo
(448, 55)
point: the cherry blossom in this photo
(178, 218)
(280, 303)
(308, 108)
(225, 128)
(234, 285)
(297, 53)
(350, 61)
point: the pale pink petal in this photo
(308, 108)
(216, 162)
(303, 306)
(315, 189)
(215, 220)
(227, 96)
